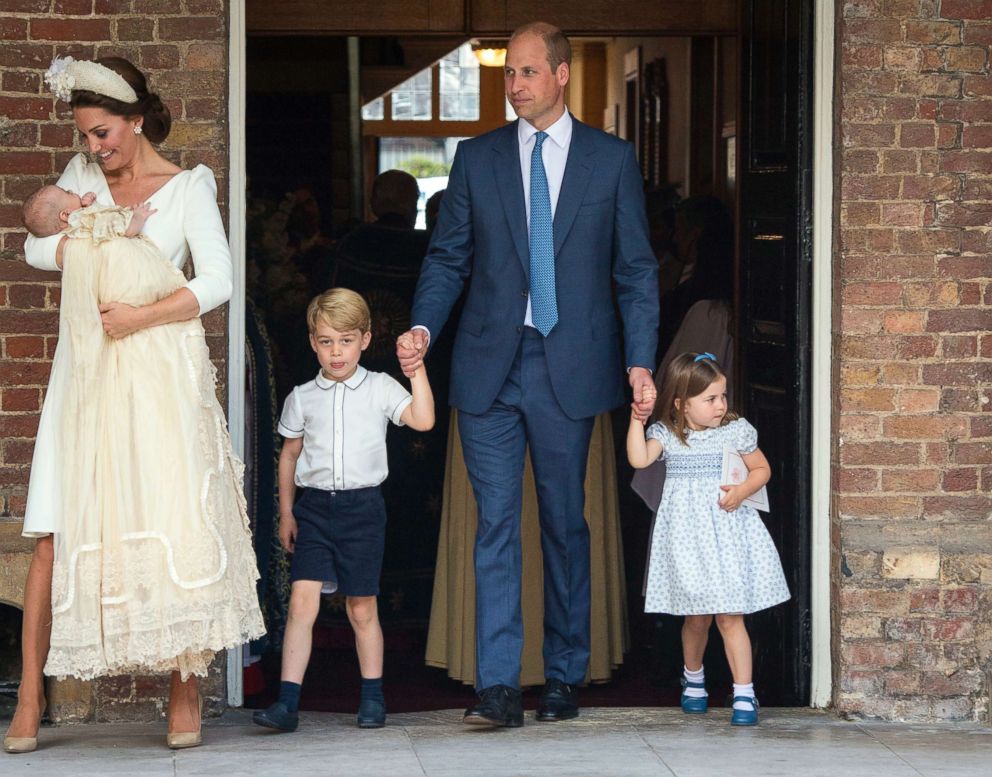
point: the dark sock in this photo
(372, 690)
(289, 694)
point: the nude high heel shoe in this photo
(20, 744)
(179, 740)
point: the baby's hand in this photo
(87, 199)
(139, 215)
(732, 498)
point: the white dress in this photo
(187, 222)
(154, 567)
(705, 560)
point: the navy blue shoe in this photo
(277, 717)
(694, 705)
(371, 714)
(745, 717)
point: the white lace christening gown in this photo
(154, 568)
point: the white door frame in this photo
(823, 177)
(236, 200)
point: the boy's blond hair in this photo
(341, 309)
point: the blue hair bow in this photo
(704, 355)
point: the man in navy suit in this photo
(544, 219)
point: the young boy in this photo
(335, 447)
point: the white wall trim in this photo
(237, 172)
(821, 689)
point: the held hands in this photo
(287, 532)
(645, 393)
(410, 349)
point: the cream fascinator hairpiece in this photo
(66, 74)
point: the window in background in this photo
(426, 159)
(412, 99)
(459, 85)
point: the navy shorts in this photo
(340, 538)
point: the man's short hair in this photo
(557, 45)
(341, 309)
(394, 191)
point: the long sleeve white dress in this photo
(154, 568)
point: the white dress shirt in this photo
(554, 152)
(343, 425)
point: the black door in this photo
(774, 171)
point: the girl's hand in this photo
(120, 319)
(287, 532)
(636, 415)
(732, 497)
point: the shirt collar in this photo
(353, 382)
(559, 132)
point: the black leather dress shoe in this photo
(277, 717)
(371, 714)
(499, 705)
(559, 701)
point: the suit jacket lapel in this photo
(510, 190)
(578, 169)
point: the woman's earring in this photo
(137, 129)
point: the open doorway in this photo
(637, 97)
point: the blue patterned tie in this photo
(544, 306)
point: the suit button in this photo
(523, 292)
(520, 329)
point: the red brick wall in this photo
(181, 45)
(913, 458)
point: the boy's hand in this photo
(139, 215)
(732, 497)
(287, 532)
(87, 199)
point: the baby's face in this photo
(67, 201)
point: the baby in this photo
(48, 212)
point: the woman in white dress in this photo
(119, 120)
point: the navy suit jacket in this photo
(601, 245)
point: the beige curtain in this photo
(451, 640)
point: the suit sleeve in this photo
(449, 256)
(635, 268)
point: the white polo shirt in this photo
(343, 426)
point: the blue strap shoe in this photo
(276, 717)
(371, 714)
(745, 717)
(694, 705)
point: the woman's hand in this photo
(120, 319)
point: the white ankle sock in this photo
(743, 690)
(698, 676)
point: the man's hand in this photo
(644, 392)
(410, 349)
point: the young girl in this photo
(710, 554)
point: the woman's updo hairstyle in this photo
(157, 120)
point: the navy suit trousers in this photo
(526, 414)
